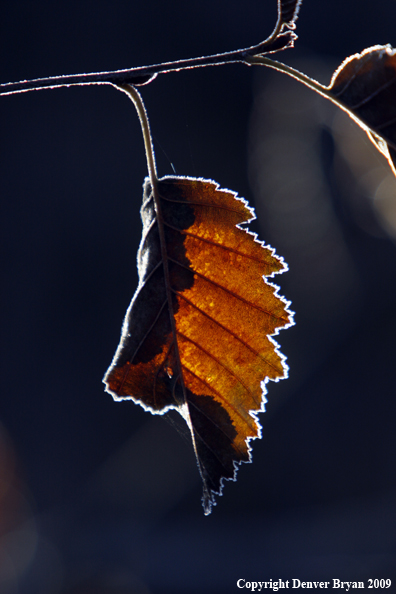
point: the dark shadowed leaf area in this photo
(196, 337)
(366, 84)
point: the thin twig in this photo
(145, 74)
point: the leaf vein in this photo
(384, 86)
(150, 274)
(200, 347)
(212, 389)
(247, 345)
(130, 360)
(209, 280)
(203, 204)
(225, 247)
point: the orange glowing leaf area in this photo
(197, 336)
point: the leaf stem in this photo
(137, 100)
(300, 76)
(135, 96)
(305, 80)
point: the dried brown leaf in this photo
(365, 84)
(197, 335)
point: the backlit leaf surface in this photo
(197, 335)
(366, 84)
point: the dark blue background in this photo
(100, 497)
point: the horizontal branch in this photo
(145, 74)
